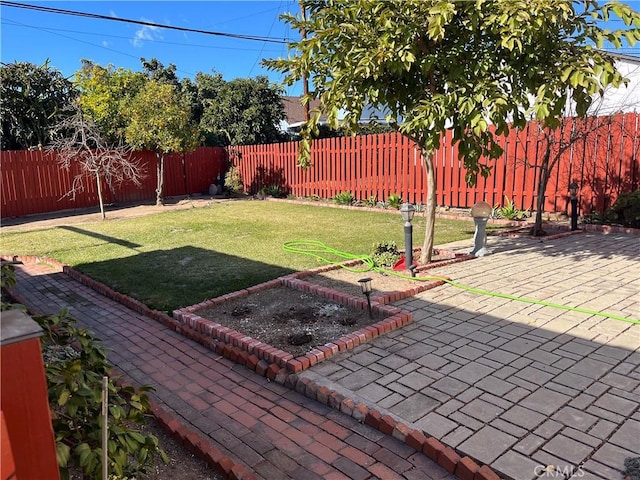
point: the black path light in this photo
(365, 285)
(573, 193)
(407, 211)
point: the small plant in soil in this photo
(385, 254)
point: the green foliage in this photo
(626, 210)
(233, 180)
(385, 254)
(344, 198)
(394, 201)
(509, 211)
(248, 110)
(32, 99)
(8, 280)
(476, 63)
(159, 119)
(106, 93)
(372, 201)
(74, 367)
(272, 191)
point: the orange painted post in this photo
(7, 464)
(23, 398)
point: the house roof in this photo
(294, 110)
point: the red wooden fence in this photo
(603, 158)
(34, 182)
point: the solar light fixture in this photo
(573, 194)
(407, 211)
(365, 285)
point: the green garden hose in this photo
(322, 252)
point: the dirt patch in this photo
(288, 319)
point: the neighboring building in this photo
(623, 99)
(294, 115)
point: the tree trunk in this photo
(537, 230)
(100, 199)
(160, 175)
(430, 212)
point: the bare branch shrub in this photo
(78, 141)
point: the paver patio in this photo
(514, 385)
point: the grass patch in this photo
(178, 258)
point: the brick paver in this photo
(512, 384)
(275, 432)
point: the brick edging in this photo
(455, 463)
(254, 353)
(191, 440)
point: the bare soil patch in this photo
(295, 321)
(288, 319)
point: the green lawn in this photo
(179, 258)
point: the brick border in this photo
(192, 440)
(238, 345)
(454, 462)
(188, 438)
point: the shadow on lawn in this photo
(169, 279)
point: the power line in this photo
(60, 11)
(8, 21)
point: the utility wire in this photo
(41, 8)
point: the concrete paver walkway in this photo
(514, 385)
(275, 432)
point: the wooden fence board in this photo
(605, 163)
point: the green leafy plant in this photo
(8, 280)
(344, 198)
(626, 210)
(372, 201)
(273, 190)
(233, 180)
(74, 366)
(385, 254)
(509, 211)
(394, 201)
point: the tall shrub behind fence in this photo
(603, 158)
(33, 182)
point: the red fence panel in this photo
(602, 156)
(34, 182)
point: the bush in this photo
(233, 180)
(394, 201)
(509, 211)
(344, 198)
(74, 367)
(385, 254)
(626, 210)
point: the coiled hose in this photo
(322, 252)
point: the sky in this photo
(35, 36)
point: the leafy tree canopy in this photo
(243, 111)
(31, 99)
(105, 92)
(158, 119)
(455, 64)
